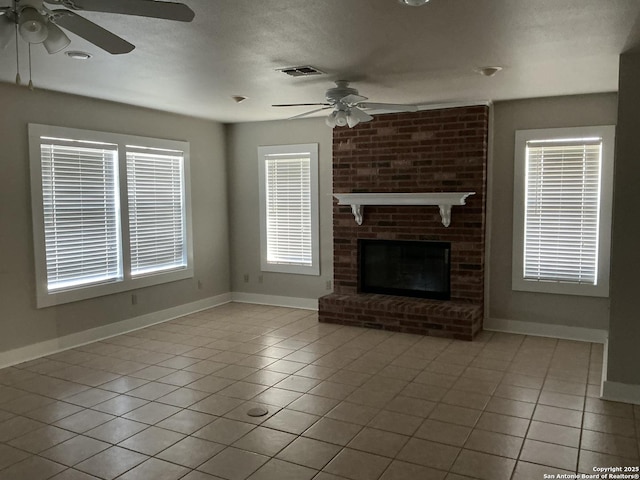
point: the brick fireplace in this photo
(429, 151)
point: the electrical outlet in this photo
(260, 279)
(134, 299)
(199, 285)
(328, 284)
(246, 278)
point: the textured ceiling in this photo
(392, 53)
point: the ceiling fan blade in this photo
(353, 99)
(308, 113)
(143, 8)
(91, 32)
(389, 106)
(360, 115)
(301, 104)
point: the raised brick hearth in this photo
(430, 151)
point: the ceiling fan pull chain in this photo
(18, 79)
(30, 75)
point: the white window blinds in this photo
(288, 209)
(111, 212)
(81, 215)
(562, 202)
(155, 185)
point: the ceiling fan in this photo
(38, 23)
(347, 105)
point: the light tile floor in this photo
(169, 402)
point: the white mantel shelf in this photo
(444, 200)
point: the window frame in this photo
(310, 149)
(46, 299)
(519, 283)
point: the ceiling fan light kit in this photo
(359, 115)
(331, 120)
(56, 40)
(341, 118)
(352, 120)
(352, 117)
(32, 26)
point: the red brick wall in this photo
(429, 151)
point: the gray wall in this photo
(20, 322)
(505, 303)
(242, 144)
(624, 335)
(226, 217)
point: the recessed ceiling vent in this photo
(304, 71)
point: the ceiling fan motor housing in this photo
(342, 89)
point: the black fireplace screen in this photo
(406, 268)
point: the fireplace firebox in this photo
(405, 268)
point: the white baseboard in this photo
(48, 347)
(566, 332)
(276, 300)
(621, 392)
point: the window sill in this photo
(84, 293)
(560, 288)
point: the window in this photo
(289, 209)
(80, 209)
(562, 210)
(110, 212)
(156, 211)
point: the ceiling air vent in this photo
(300, 71)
